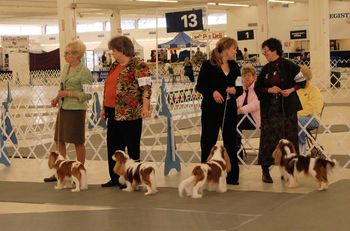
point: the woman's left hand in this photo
(231, 90)
(145, 113)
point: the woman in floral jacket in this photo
(126, 102)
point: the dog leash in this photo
(223, 117)
(59, 118)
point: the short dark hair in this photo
(122, 44)
(274, 45)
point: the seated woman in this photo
(248, 103)
(312, 101)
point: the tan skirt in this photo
(70, 126)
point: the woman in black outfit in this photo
(217, 82)
(276, 88)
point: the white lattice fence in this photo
(33, 121)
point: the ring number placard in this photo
(184, 21)
(245, 35)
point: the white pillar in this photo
(262, 30)
(319, 39)
(230, 32)
(66, 24)
(116, 28)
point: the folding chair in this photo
(244, 126)
(311, 136)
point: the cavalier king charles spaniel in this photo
(67, 172)
(291, 165)
(211, 174)
(134, 174)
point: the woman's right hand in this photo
(54, 102)
(218, 97)
(102, 114)
(274, 90)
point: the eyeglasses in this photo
(67, 53)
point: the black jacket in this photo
(211, 78)
(288, 71)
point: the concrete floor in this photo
(28, 204)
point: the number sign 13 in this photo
(184, 21)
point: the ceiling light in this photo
(281, 1)
(226, 4)
(170, 1)
(232, 4)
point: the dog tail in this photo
(184, 184)
(331, 164)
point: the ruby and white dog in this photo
(211, 174)
(292, 165)
(67, 172)
(134, 174)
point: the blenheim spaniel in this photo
(134, 174)
(293, 165)
(67, 172)
(211, 175)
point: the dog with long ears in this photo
(67, 172)
(292, 165)
(211, 174)
(134, 174)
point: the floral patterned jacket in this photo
(129, 95)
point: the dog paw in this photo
(150, 193)
(127, 190)
(58, 187)
(197, 196)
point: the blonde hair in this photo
(248, 68)
(305, 70)
(77, 48)
(221, 45)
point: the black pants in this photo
(211, 125)
(121, 135)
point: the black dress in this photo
(278, 113)
(211, 78)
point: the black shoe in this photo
(266, 178)
(121, 186)
(232, 182)
(109, 184)
(50, 179)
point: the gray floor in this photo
(234, 210)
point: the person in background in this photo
(198, 56)
(245, 54)
(104, 59)
(173, 56)
(72, 102)
(126, 101)
(239, 54)
(312, 101)
(109, 59)
(276, 88)
(218, 82)
(248, 103)
(188, 69)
